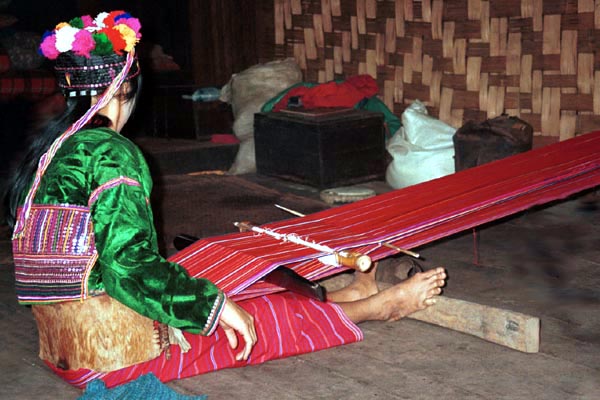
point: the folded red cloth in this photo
(332, 94)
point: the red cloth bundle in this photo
(332, 94)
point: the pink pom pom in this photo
(83, 43)
(48, 47)
(87, 21)
(134, 24)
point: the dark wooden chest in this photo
(321, 148)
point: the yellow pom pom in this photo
(128, 35)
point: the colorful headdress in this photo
(90, 52)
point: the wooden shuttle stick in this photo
(293, 212)
(398, 249)
(346, 258)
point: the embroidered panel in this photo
(55, 254)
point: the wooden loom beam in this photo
(504, 327)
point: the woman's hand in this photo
(235, 319)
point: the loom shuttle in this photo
(353, 260)
(349, 259)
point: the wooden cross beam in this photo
(507, 328)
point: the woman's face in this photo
(127, 105)
(119, 108)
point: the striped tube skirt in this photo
(286, 325)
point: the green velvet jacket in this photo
(101, 169)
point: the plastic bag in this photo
(422, 149)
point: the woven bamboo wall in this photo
(465, 59)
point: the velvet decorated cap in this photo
(90, 52)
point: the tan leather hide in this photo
(99, 334)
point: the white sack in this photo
(247, 92)
(422, 149)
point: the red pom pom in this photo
(116, 39)
(109, 21)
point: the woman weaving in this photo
(107, 305)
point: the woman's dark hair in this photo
(43, 139)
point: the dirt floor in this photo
(543, 263)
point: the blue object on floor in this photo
(146, 387)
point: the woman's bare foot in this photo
(400, 300)
(414, 294)
(362, 286)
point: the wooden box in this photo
(321, 148)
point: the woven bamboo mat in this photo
(466, 59)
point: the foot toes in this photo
(430, 301)
(432, 273)
(438, 274)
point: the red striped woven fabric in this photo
(286, 325)
(407, 217)
(34, 84)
